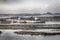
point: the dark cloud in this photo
(10, 1)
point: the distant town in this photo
(47, 20)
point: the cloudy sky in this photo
(29, 6)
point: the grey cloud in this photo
(55, 8)
(54, 5)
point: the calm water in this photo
(9, 35)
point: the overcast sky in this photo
(29, 6)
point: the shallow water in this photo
(9, 35)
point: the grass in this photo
(27, 27)
(35, 33)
